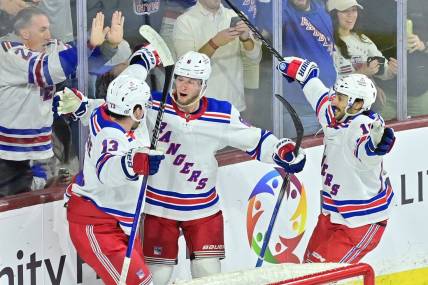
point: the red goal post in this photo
(290, 274)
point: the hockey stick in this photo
(297, 124)
(286, 183)
(167, 60)
(256, 32)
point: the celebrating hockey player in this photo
(182, 196)
(103, 199)
(356, 194)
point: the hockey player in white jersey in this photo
(103, 198)
(182, 195)
(356, 195)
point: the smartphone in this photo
(381, 60)
(409, 27)
(234, 21)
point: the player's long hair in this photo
(341, 45)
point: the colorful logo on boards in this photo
(290, 224)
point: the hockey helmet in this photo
(126, 92)
(193, 65)
(357, 86)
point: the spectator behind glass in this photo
(29, 71)
(133, 21)
(355, 52)
(30, 67)
(417, 58)
(59, 13)
(8, 10)
(205, 28)
(307, 33)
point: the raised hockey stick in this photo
(285, 184)
(256, 32)
(168, 62)
(297, 124)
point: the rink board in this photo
(36, 249)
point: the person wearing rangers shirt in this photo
(356, 195)
(182, 196)
(102, 201)
(31, 64)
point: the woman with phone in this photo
(355, 52)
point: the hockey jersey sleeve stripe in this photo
(360, 141)
(101, 162)
(125, 170)
(44, 131)
(255, 153)
(95, 128)
(324, 103)
(322, 100)
(180, 207)
(68, 59)
(25, 140)
(38, 71)
(26, 149)
(34, 67)
(330, 116)
(31, 69)
(370, 148)
(46, 73)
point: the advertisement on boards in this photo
(36, 249)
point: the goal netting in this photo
(287, 273)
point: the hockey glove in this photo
(70, 101)
(385, 144)
(147, 56)
(301, 70)
(145, 161)
(284, 156)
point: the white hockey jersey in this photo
(27, 86)
(184, 188)
(107, 181)
(356, 190)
